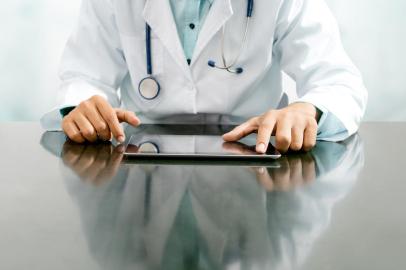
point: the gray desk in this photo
(340, 207)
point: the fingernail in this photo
(120, 139)
(120, 149)
(261, 170)
(261, 148)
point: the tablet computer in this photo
(191, 142)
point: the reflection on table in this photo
(162, 216)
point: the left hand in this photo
(294, 127)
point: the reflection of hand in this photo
(238, 148)
(295, 171)
(96, 163)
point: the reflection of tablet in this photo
(191, 142)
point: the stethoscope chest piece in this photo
(149, 88)
(148, 148)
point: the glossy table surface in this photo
(67, 206)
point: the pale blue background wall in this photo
(33, 33)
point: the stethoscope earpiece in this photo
(211, 63)
(238, 70)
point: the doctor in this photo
(208, 62)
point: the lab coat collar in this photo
(158, 14)
(219, 14)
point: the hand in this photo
(95, 119)
(295, 171)
(295, 128)
(94, 163)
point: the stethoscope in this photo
(229, 67)
(149, 87)
(148, 148)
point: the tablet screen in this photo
(207, 142)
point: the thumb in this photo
(128, 117)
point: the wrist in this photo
(304, 107)
(307, 108)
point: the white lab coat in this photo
(106, 56)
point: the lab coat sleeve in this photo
(93, 62)
(309, 48)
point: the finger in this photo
(110, 116)
(119, 149)
(105, 151)
(309, 168)
(105, 155)
(128, 117)
(86, 128)
(98, 123)
(113, 165)
(71, 152)
(69, 158)
(72, 131)
(283, 135)
(99, 163)
(264, 134)
(264, 178)
(242, 130)
(310, 135)
(281, 176)
(297, 138)
(85, 160)
(296, 176)
(92, 172)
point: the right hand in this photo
(96, 119)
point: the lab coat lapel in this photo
(158, 14)
(219, 14)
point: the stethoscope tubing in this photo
(148, 48)
(229, 67)
(242, 47)
(250, 8)
(150, 78)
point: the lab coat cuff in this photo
(74, 92)
(340, 103)
(71, 94)
(330, 128)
